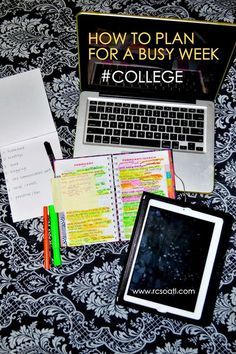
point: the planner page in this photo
(134, 173)
(87, 200)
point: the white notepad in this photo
(25, 124)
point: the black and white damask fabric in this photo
(72, 309)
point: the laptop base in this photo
(194, 172)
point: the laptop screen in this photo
(149, 57)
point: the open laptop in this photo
(150, 83)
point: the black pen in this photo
(50, 154)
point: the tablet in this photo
(172, 262)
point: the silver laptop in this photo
(149, 83)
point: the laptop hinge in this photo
(146, 98)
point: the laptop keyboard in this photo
(144, 125)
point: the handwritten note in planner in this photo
(25, 124)
(87, 197)
(136, 173)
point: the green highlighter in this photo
(54, 228)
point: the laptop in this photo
(150, 83)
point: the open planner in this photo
(97, 197)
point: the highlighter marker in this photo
(54, 228)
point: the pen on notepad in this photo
(46, 244)
(50, 154)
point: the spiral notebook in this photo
(97, 197)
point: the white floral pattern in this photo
(98, 290)
(225, 310)
(64, 95)
(72, 309)
(229, 173)
(22, 37)
(175, 348)
(214, 10)
(30, 339)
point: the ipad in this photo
(172, 262)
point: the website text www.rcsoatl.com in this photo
(171, 291)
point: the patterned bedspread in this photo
(72, 309)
